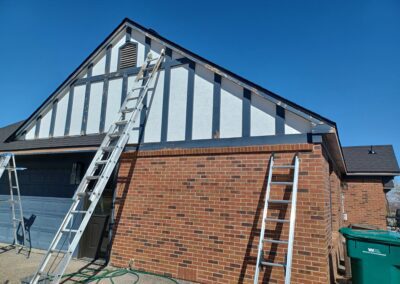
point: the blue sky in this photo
(339, 58)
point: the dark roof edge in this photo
(161, 38)
(376, 174)
(230, 73)
(363, 146)
(84, 62)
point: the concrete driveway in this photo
(15, 267)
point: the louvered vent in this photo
(128, 56)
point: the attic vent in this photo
(128, 55)
(371, 151)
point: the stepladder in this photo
(8, 164)
(90, 189)
(278, 227)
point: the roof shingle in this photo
(359, 160)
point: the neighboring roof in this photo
(358, 159)
(198, 57)
(63, 142)
(6, 131)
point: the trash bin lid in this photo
(378, 236)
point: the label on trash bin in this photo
(374, 251)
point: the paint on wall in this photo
(177, 104)
(231, 109)
(77, 110)
(96, 93)
(203, 103)
(262, 117)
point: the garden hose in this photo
(86, 276)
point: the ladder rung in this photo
(279, 201)
(275, 241)
(130, 98)
(152, 59)
(284, 167)
(282, 182)
(121, 122)
(127, 110)
(115, 134)
(59, 251)
(101, 162)
(144, 78)
(137, 88)
(78, 212)
(266, 263)
(108, 148)
(16, 219)
(81, 194)
(69, 231)
(92, 177)
(48, 275)
(277, 220)
(14, 186)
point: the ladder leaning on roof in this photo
(287, 265)
(7, 163)
(96, 177)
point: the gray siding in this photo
(46, 192)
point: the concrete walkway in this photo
(15, 267)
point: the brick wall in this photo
(195, 214)
(365, 202)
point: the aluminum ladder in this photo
(287, 265)
(7, 163)
(96, 177)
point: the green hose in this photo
(88, 277)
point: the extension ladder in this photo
(96, 176)
(287, 265)
(7, 162)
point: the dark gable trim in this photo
(86, 102)
(246, 113)
(69, 110)
(165, 107)
(37, 128)
(280, 120)
(53, 118)
(216, 115)
(226, 142)
(143, 113)
(128, 34)
(129, 72)
(189, 102)
(152, 33)
(124, 88)
(105, 91)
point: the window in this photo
(127, 55)
(76, 173)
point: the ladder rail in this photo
(264, 218)
(7, 162)
(102, 168)
(12, 204)
(4, 159)
(287, 265)
(292, 226)
(18, 197)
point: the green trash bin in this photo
(375, 256)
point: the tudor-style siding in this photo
(189, 102)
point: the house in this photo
(186, 198)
